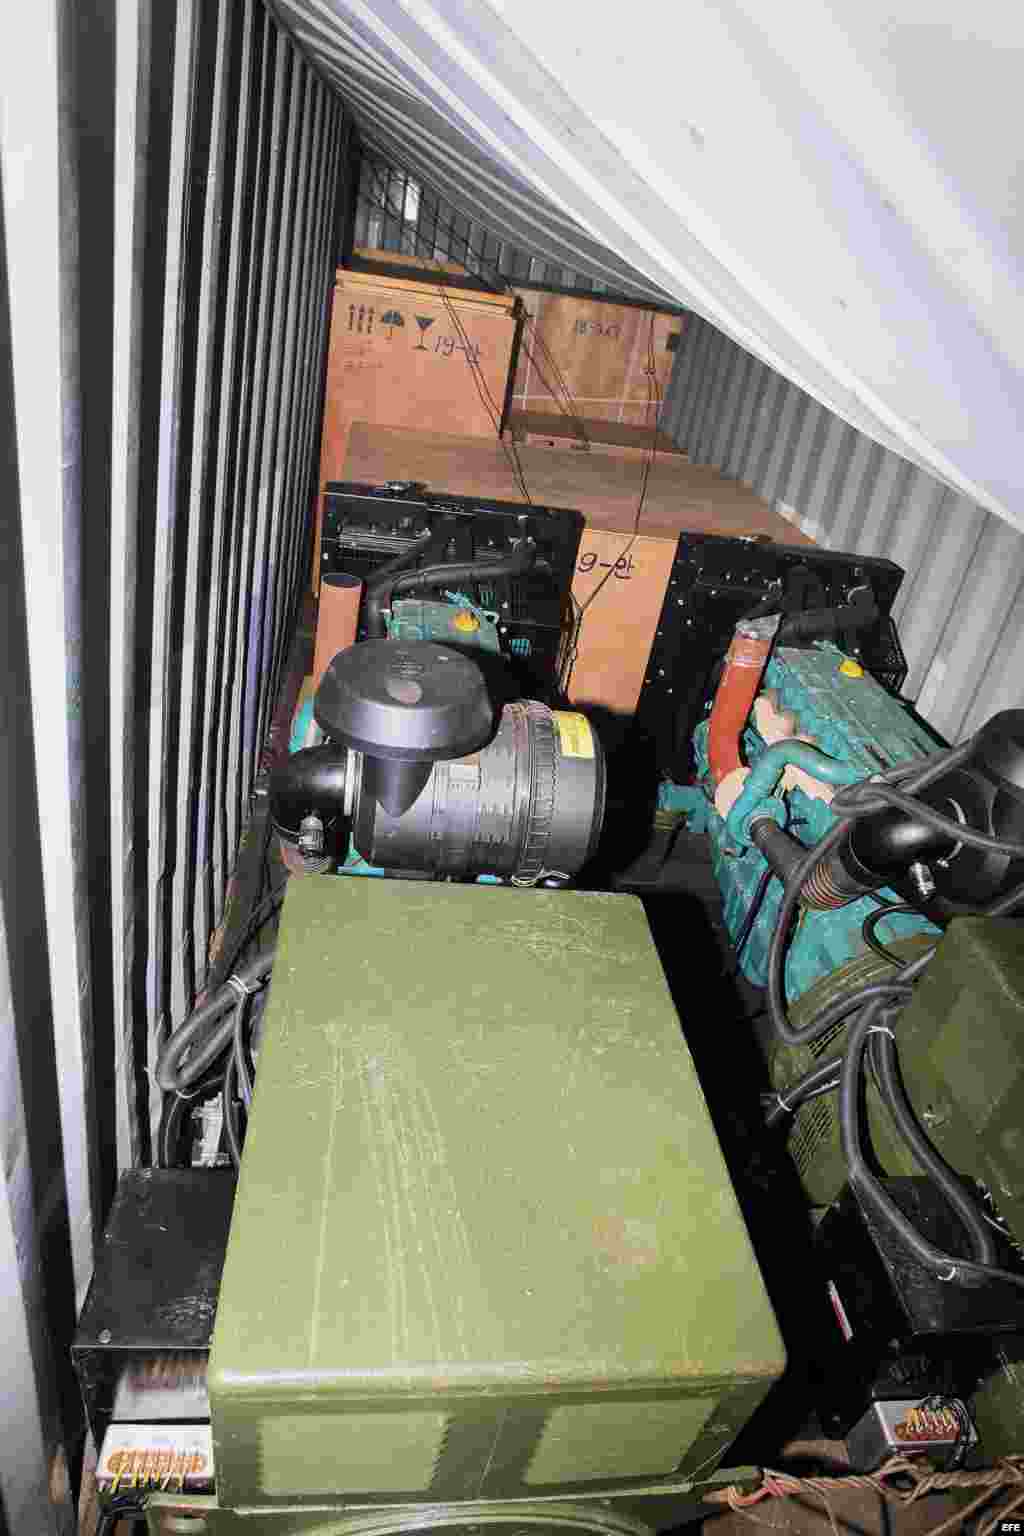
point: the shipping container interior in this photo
(488, 645)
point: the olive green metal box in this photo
(484, 1246)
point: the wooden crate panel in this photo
(399, 355)
(609, 358)
(626, 580)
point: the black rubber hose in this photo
(944, 1265)
(175, 1111)
(870, 923)
(215, 1021)
(378, 589)
(886, 843)
(781, 851)
(894, 1095)
(241, 1050)
(232, 1130)
(824, 623)
(955, 831)
(261, 914)
(311, 779)
(202, 1020)
(786, 1102)
(777, 1009)
(918, 776)
(517, 563)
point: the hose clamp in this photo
(741, 818)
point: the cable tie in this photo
(950, 1276)
(238, 986)
(185, 1097)
(783, 1105)
(881, 1029)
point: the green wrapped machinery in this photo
(485, 1260)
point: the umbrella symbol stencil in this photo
(392, 318)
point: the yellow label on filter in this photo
(574, 734)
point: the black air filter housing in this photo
(405, 705)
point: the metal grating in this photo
(960, 611)
(401, 215)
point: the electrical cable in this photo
(117, 1509)
(936, 1403)
(869, 1191)
(208, 1032)
(751, 915)
(870, 923)
(177, 1110)
(885, 1060)
(261, 914)
(822, 1078)
(232, 1130)
(239, 1050)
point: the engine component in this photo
(962, 1058)
(471, 1292)
(367, 527)
(910, 844)
(458, 623)
(403, 707)
(716, 582)
(745, 662)
(529, 805)
(406, 769)
(851, 719)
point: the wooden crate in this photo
(597, 354)
(366, 258)
(618, 629)
(398, 355)
(587, 435)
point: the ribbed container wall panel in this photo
(961, 606)
(168, 238)
(207, 573)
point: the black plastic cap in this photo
(406, 701)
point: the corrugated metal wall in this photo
(396, 212)
(961, 607)
(169, 185)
